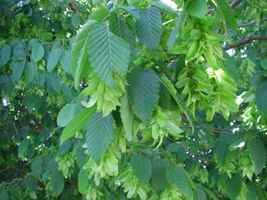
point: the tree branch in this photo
(73, 7)
(251, 23)
(250, 39)
(235, 3)
(232, 5)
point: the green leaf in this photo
(159, 181)
(79, 54)
(173, 34)
(65, 61)
(53, 59)
(167, 6)
(100, 14)
(200, 193)
(99, 134)
(83, 181)
(221, 150)
(132, 10)
(54, 82)
(119, 27)
(23, 147)
(5, 53)
(82, 158)
(107, 53)
(264, 64)
(78, 121)
(67, 113)
(143, 91)
(261, 96)
(170, 87)
(149, 27)
(75, 20)
(18, 53)
(64, 147)
(211, 194)
(227, 13)
(57, 183)
(36, 166)
(257, 153)
(127, 117)
(17, 69)
(141, 167)
(230, 64)
(4, 195)
(30, 72)
(197, 8)
(37, 50)
(178, 177)
(234, 186)
(251, 195)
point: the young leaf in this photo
(170, 87)
(57, 182)
(234, 186)
(227, 13)
(127, 117)
(83, 181)
(67, 113)
(197, 8)
(79, 52)
(5, 53)
(149, 27)
(177, 176)
(99, 134)
(78, 121)
(53, 59)
(141, 167)
(107, 53)
(37, 51)
(143, 91)
(258, 154)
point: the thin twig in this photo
(167, 22)
(253, 75)
(191, 153)
(241, 43)
(232, 5)
(251, 23)
(216, 130)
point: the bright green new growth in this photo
(144, 100)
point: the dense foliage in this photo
(133, 99)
